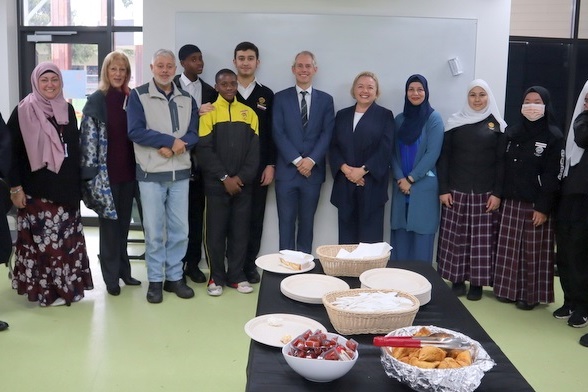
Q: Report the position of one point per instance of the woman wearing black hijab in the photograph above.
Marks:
(572, 222)
(533, 168)
(415, 202)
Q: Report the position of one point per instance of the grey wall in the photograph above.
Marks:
(392, 47)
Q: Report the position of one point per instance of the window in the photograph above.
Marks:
(542, 18)
(583, 25)
(128, 13)
(76, 35)
(64, 12)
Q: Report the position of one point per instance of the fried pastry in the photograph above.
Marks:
(423, 364)
(449, 363)
(464, 358)
(424, 331)
(399, 352)
(431, 354)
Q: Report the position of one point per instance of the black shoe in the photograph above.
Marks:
(475, 293)
(195, 275)
(3, 325)
(154, 293)
(505, 300)
(564, 312)
(458, 288)
(524, 305)
(584, 340)
(578, 319)
(178, 287)
(130, 281)
(253, 276)
(113, 290)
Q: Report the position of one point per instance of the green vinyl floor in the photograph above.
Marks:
(106, 343)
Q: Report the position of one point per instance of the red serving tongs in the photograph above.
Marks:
(421, 341)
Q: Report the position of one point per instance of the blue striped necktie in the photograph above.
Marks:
(304, 109)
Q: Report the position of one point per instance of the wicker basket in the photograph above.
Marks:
(353, 323)
(347, 267)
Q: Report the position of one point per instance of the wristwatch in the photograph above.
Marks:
(365, 169)
(223, 178)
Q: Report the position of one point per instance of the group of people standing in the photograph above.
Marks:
(203, 158)
(497, 191)
(507, 195)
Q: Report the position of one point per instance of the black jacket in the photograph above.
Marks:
(576, 182)
(534, 165)
(5, 162)
(261, 101)
(63, 187)
(472, 159)
(209, 94)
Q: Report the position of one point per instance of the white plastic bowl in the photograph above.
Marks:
(319, 370)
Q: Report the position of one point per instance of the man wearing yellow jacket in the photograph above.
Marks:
(228, 154)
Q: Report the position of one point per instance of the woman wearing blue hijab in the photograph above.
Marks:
(415, 202)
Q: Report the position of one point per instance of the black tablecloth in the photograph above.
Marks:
(268, 371)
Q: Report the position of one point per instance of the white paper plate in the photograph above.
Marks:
(310, 288)
(272, 263)
(259, 329)
(398, 279)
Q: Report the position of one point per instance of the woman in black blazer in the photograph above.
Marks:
(360, 156)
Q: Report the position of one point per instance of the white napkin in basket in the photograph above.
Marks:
(365, 251)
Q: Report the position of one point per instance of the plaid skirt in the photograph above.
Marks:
(51, 259)
(525, 256)
(467, 240)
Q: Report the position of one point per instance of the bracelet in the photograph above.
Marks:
(15, 191)
(409, 180)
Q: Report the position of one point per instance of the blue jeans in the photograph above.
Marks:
(165, 221)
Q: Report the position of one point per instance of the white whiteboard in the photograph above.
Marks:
(392, 47)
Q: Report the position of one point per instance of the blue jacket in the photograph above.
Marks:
(370, 144)
(293, 141)
(424, 207)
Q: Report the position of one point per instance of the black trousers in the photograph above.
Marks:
(358, 225)
(5, 240)
(572, 262)
(114, 258)
(226, 232)
(259, 196)
(5, 205)
(196, 201)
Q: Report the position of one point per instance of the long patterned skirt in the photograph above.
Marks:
(525, 256)
(467, 240)
(51, 259)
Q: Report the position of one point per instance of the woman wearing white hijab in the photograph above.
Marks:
(52, 266)
(572, 221)
(471, 170)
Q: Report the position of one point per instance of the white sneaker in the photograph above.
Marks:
(214, 290)
(58, 302)
(244, 287)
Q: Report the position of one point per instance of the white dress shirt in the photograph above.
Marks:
(194, 88)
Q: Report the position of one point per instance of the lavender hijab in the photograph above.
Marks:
(41, 139)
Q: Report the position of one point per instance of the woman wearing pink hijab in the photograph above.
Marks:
(52, 266)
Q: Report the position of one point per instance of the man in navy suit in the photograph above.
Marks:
(303, 121)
